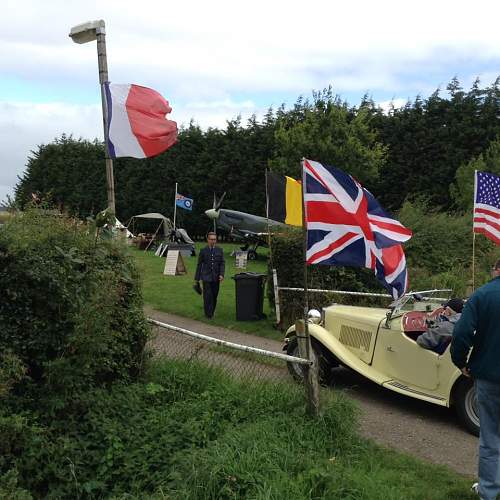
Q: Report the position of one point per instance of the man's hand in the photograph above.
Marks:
(197, 287)
(221, 278)
(466, 371)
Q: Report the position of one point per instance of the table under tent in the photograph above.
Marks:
(164, 233)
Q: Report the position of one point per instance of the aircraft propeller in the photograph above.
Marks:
(213, 213)
(219, 203)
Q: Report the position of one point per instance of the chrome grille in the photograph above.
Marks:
(355, 337)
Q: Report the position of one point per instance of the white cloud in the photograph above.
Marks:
(268, 46)
(24, 126)
(396, 102)
(226, 104)
(215, 60)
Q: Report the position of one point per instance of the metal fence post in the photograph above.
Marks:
(311, 381)
(276, 297)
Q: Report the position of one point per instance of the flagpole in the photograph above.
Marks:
(473, 260)
(268, 226)
(474, 235)
(311, 380)
(103, 78)
(175, 204)
(306, 291)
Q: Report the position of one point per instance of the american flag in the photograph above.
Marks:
(487, 205)
(346, 226)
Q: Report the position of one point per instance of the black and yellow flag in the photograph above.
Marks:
(284, 196)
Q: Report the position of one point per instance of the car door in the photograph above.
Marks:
(402, 359)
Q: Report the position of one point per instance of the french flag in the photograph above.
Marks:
(137, 123)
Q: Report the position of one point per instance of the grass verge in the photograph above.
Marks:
(191, 432)
(174, 294)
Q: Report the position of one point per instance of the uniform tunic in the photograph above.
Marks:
(210, 266)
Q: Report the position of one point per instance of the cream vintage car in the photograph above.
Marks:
(380, 344)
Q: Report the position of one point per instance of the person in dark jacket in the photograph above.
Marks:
(479, 330)
(438, 334)
(210, 270)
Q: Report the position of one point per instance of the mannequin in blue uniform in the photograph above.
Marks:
(210, 270)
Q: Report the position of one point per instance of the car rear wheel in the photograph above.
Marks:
(466, 405)
(325, 364)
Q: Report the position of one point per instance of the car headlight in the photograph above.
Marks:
(314, 316)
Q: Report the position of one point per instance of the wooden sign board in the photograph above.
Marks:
(174, 264)
(241, 259)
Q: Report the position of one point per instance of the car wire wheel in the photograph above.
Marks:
(466, 405)
(296, 370)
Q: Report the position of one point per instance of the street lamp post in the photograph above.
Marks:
(88, 32)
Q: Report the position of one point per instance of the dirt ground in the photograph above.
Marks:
(421, 429)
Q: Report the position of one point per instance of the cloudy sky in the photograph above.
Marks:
(215, 60)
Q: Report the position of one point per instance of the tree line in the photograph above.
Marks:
(427, 149)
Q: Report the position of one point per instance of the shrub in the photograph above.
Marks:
(439, 254)
(10, 489)
(72, 308)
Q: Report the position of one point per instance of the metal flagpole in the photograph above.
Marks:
(268, 225)
(175, 203)
(304, 234)
(103, 78)
(474, 235)
(84, 33)
(310, 372)
(473, 259)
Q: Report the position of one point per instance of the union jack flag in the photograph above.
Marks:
(346, 226)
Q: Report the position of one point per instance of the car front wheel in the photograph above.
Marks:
(466, 405)
(297, 371)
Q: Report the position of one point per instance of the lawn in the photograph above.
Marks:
(174, 294)
(191, 432)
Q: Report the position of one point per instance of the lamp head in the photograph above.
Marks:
(87, 32)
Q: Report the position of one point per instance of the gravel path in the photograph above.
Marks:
(415, 427)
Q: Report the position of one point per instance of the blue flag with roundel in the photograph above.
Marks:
(183, 202)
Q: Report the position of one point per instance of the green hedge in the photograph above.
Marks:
(71, 321)
(439, 254)
(71, 309)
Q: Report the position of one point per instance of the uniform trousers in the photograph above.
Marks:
(210, 292)
(488, 400)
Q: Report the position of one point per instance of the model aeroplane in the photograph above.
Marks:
(252, 229)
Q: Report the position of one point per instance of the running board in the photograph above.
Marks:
(404, 389)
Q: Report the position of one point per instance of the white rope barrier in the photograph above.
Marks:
(339, 292)
(239, 347)
(367, 294)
